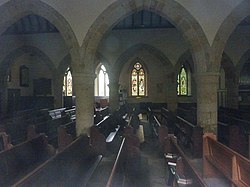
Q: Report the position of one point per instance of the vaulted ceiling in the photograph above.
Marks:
(31, 24)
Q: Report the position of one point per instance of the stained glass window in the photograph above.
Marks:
(68, 83)
(102, 81)
(138, 80)
(182, 82)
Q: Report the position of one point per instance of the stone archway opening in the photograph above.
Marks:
(188, 27)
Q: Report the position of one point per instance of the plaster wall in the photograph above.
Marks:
(157, 79)
(51, 44)
(168, 41)
(37, 69)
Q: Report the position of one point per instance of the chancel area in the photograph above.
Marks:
(125, 93)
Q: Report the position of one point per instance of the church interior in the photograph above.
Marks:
(125, 93)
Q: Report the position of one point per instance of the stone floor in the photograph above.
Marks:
(153, 171)
(157, 173)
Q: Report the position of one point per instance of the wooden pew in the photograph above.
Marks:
(188, 112)
(159, 130)
(190, 136)
(221, 161)
(103, 134)
(22, 158)
(112, 181)
(237, 113)
(66, 135)
(168, 119)
(100, 114)
(71, 167)
(16, 127)
(128, 167)
(5, 142)
(71, 112)
(57, 113)
(182, 169)
(50, 127)
(180, 166)
(234, 132)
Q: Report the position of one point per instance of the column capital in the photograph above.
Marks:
(204, 74)
(207, 77)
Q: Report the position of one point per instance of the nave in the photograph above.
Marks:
(115, 155)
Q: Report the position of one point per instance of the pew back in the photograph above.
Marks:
(17, 161)
(71, 167)
(184, 170)
(232, 165)
(190, 135)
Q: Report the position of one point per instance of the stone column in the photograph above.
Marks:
(83, 80)
(207, 85)
(57, 85)
(84, 91)
(113, 96)
(172, 93)
(232, 93)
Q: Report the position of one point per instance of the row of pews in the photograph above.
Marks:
(42, 121)
(210, 163)
(234, 130)
(233, 127)
(189, 135)
(23, 158)
(40, 141)
(71, 167)
(77, 161)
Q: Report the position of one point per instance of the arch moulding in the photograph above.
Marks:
(14, 10)
(169, 9)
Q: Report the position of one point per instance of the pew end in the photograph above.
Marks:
(64, 139)
(182, 168)
(220, 161)
(98, 141)
(5, 142)
(22, 158)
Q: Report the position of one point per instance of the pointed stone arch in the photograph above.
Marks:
(100, 58)
(10, 58)
(186, 57)
(64, 64)
(124, 57)
(238, 14)
(244, 58)
(228, 66)
(187, 60)
(231, 82)
(14, 10)
(169, 9)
